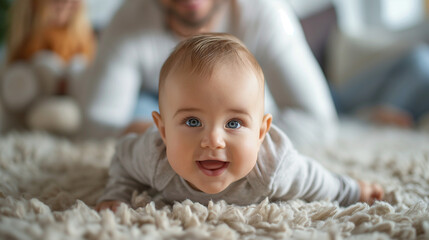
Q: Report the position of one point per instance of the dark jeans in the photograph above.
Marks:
(402, 83)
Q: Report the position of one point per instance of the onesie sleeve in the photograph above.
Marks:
(306, 179)
(295, 176)
(132, 168)
(121, 184)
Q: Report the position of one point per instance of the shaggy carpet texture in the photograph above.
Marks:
(49, 186)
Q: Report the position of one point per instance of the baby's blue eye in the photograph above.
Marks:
(193, 122)
(233, 124)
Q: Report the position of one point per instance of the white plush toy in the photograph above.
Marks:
(35, 91)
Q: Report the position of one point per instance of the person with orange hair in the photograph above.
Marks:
(49, 42)
(60, 26)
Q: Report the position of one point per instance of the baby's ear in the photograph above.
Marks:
(265, 126)
(159, 124)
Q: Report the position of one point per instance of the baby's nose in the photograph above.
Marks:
(213, 139)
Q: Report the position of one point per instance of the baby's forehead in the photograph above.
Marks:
(187, 72)
(224, 80)
(226, 85)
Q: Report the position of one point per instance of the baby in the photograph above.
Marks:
(213, 140)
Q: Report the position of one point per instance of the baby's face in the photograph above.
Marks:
(213, 127)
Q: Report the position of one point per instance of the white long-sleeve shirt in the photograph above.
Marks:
(280, 173)
(138, 41)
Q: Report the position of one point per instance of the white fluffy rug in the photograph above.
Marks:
(49, 186)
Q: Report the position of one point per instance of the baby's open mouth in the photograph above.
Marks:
(212, 167)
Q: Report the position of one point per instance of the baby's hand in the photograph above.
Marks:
(112, 205)
(369, 192)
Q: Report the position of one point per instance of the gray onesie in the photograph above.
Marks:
(280, 173)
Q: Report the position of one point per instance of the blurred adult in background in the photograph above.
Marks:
(48, 43)
(119, 91)
(394, 91)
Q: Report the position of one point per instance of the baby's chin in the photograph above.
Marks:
(212, 188)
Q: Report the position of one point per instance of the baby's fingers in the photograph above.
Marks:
(377, 192)
(112, 205)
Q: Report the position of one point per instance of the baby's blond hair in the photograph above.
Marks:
(200, 54)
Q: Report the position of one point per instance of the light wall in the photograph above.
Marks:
(372, 31)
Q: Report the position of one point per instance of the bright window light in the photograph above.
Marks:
(399, 14)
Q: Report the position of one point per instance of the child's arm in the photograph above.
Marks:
(301, 177)
(128, 172)
(121, 183)
(291, 175)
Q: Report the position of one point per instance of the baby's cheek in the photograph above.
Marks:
(246, 154)
(180, 144)
(179, 156)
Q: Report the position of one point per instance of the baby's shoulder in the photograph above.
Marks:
(275, 145)
(134, 145)
(276, 153)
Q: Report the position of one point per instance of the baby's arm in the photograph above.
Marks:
(119, 188)
(369, 192)
(304, 178)
(291, 175)
(314, 182)
(126, 174)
